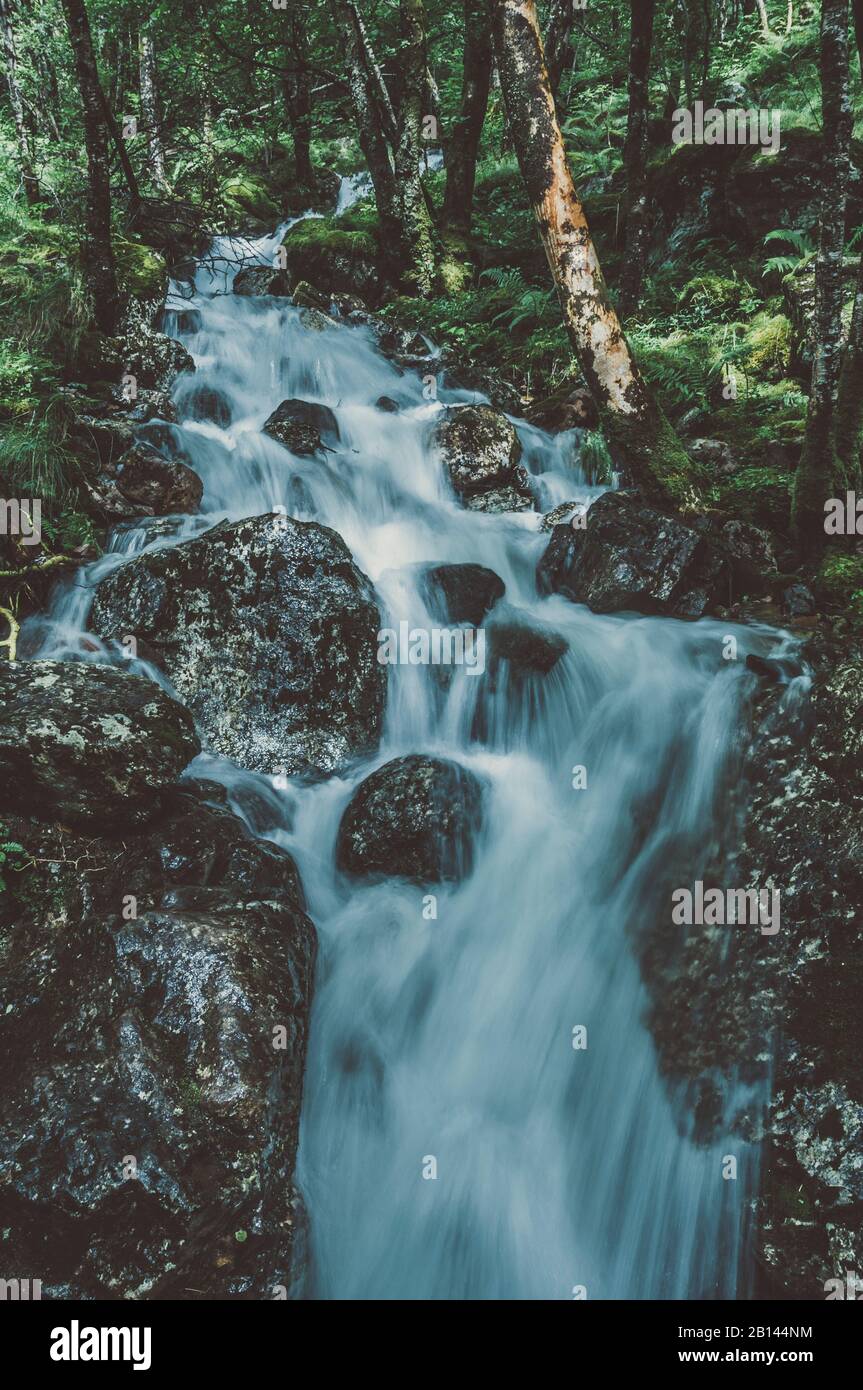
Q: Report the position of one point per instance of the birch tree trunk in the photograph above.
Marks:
(150, 109)
(464, 144)
(640, 439)
(635, 156)
(98, 248)
(762, 15)
(818, 468)
(10, 60)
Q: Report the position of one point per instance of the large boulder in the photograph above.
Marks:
(526, 648)
(153, 1031)
(88, 745)
(334, 260)
(479, 448)
(153, 359)
(416, 818)
(268, 631)
(302, 426)
(631, 557)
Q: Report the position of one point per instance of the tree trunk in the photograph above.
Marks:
(416, 230)
(297, 94)
(559, 45)
(640, 438)
(98, 249)
(762, 15)
(150, 109)
(818, 468)
(10, 60)
(370, 131)
(464, 145)
(635, 156)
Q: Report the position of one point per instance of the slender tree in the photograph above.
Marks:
(635, 155)
(818, 467)
(10, 61)
(558, 45)
(98, 249)
(150, 108)
(464, 143)
(367, 116)
(416, 229)
(297, 92)
(640, 438)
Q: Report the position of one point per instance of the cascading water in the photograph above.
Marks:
(451, 1038)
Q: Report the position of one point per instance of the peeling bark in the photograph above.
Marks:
(98, 248)
(640, 438)
(464, 144)
(635, 156)
(818, 469)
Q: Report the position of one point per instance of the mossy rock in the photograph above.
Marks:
(140, 270)
(334, 259)
(768, 347)
(247, 195)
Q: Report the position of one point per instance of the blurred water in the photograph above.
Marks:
(452, 1039)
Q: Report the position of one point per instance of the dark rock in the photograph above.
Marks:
(571, 409)
(201, 402)
(416, 817)
(714, 454)
(148, 1127)
(269, 631)
(305, 296)
(748, 553)
(255, 280)
(798, 601)
(461, 373)
(334, 261)
(771, 670)
(561, 515)
(153, 359)
(630, 557)
(164, 486)
(479, 448)
(527, 648)
(88, 745)
(302, 426)
(516, 497)
(388, 405)
(462, 593)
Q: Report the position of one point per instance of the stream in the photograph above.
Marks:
(456, 1142)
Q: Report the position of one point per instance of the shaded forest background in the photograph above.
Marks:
(232, 116)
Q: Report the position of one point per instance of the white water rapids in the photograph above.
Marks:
(556, 1169)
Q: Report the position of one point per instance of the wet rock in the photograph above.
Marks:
(798, 601)
(301, 426)
(388, 405)
(560, 515)
(517, 497)
(736, 1003)
(527, 648)
(565, 410)
(459, 372)
(152, 358)
(156, 1000)
(163, 486)
(416, 817)
(462, 593)
(256, 280)
(201, 402)
(88, 745)
(479, 448)
(268, 631)
(631, 558)
(334, 261)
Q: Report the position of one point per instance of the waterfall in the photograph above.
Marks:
(456, 1144)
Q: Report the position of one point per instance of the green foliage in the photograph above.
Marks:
(13, 858)
(840, 583)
